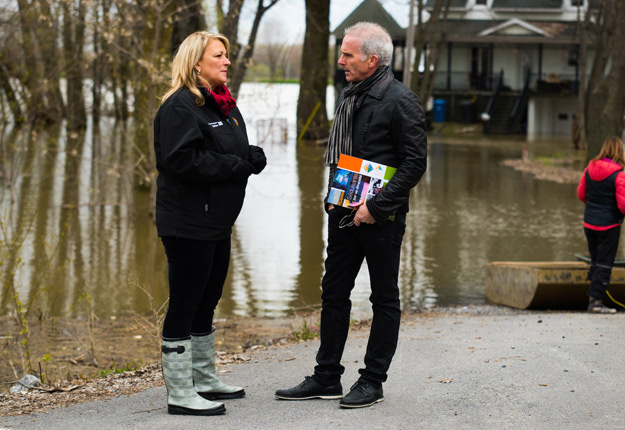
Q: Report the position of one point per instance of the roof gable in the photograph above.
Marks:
(371, 11)
(514, 27)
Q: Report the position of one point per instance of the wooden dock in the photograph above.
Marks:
(545, 285)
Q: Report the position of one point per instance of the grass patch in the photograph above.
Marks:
(114, 370)
(305, 332)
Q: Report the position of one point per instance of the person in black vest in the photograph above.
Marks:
(381, 120)
(602, 189)
(203, 160)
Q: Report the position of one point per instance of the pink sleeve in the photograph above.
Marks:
(620, 191)
(581, 188)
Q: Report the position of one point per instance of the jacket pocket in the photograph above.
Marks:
(225, 203)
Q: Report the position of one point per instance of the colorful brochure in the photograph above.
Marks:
(357, 180)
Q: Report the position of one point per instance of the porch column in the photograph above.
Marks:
(449, 66)
(540, 61)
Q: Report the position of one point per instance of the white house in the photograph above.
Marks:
(534, 43)
(516, 60)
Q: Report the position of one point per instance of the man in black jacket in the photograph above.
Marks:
(381, 120)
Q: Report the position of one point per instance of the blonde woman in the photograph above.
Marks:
(602, 189)
(203, 160)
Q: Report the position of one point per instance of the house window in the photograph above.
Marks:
(577, 2)
(483, 2)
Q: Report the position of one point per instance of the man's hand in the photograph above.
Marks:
(363, 216)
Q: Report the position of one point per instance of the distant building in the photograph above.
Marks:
(516, 60)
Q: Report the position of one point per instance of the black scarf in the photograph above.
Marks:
(340, 140)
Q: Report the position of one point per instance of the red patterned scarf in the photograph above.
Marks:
(223, 98)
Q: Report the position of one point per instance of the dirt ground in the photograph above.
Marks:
(245, 336)
(67, 349)
(124, 359)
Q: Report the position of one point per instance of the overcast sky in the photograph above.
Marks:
(287, 19)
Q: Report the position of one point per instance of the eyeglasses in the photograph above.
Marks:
(347, 220)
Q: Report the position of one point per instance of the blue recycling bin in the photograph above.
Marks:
(439, 110)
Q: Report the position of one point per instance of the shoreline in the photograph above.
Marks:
(552, 173)
(277, 333)
(455, 367)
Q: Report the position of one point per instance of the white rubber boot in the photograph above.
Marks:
(205, 379)
(182, 399)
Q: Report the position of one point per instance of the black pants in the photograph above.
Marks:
(197, 272)
(380, 245)
(602, 246)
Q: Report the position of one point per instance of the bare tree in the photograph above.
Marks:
(311, 105)
(152, 48)
(275, 49)
(10, 66)
(40, 78)
(604, 103)
(73, 44)
(228, 25)
(430, 39)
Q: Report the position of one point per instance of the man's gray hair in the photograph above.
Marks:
(375, 40)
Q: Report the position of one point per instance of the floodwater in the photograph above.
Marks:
(77, 238)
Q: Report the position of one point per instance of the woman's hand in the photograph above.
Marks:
(257, 159)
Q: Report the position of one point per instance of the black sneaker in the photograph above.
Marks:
(596, 306)
(362, 394)
(311, 389)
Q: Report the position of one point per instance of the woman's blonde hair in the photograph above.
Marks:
(613, 149)
(188, 54)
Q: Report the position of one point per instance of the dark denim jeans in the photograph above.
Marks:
(380, 245)
(602, 246)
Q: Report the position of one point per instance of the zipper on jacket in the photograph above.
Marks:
(366, 128)
(208, 199)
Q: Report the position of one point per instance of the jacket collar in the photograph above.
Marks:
(377, 90)
(381, 86)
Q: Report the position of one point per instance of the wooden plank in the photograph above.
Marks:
(619, 262)
(545, 285)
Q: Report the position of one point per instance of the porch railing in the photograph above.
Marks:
(545, 82)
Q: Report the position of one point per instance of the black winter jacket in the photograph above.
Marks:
(202, 162)
(389, 128)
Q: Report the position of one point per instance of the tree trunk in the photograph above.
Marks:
(228, 25)
(605, 101)
(153, 60)
(189, 19)
(433, 36)
(36, 103)
(579, 132)
(73, 41)
(99, 14)
(314, 75)
(47, 37)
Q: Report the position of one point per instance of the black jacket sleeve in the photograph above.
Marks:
(184, 152)
(410, 140)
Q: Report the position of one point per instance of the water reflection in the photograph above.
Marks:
(76, 236)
